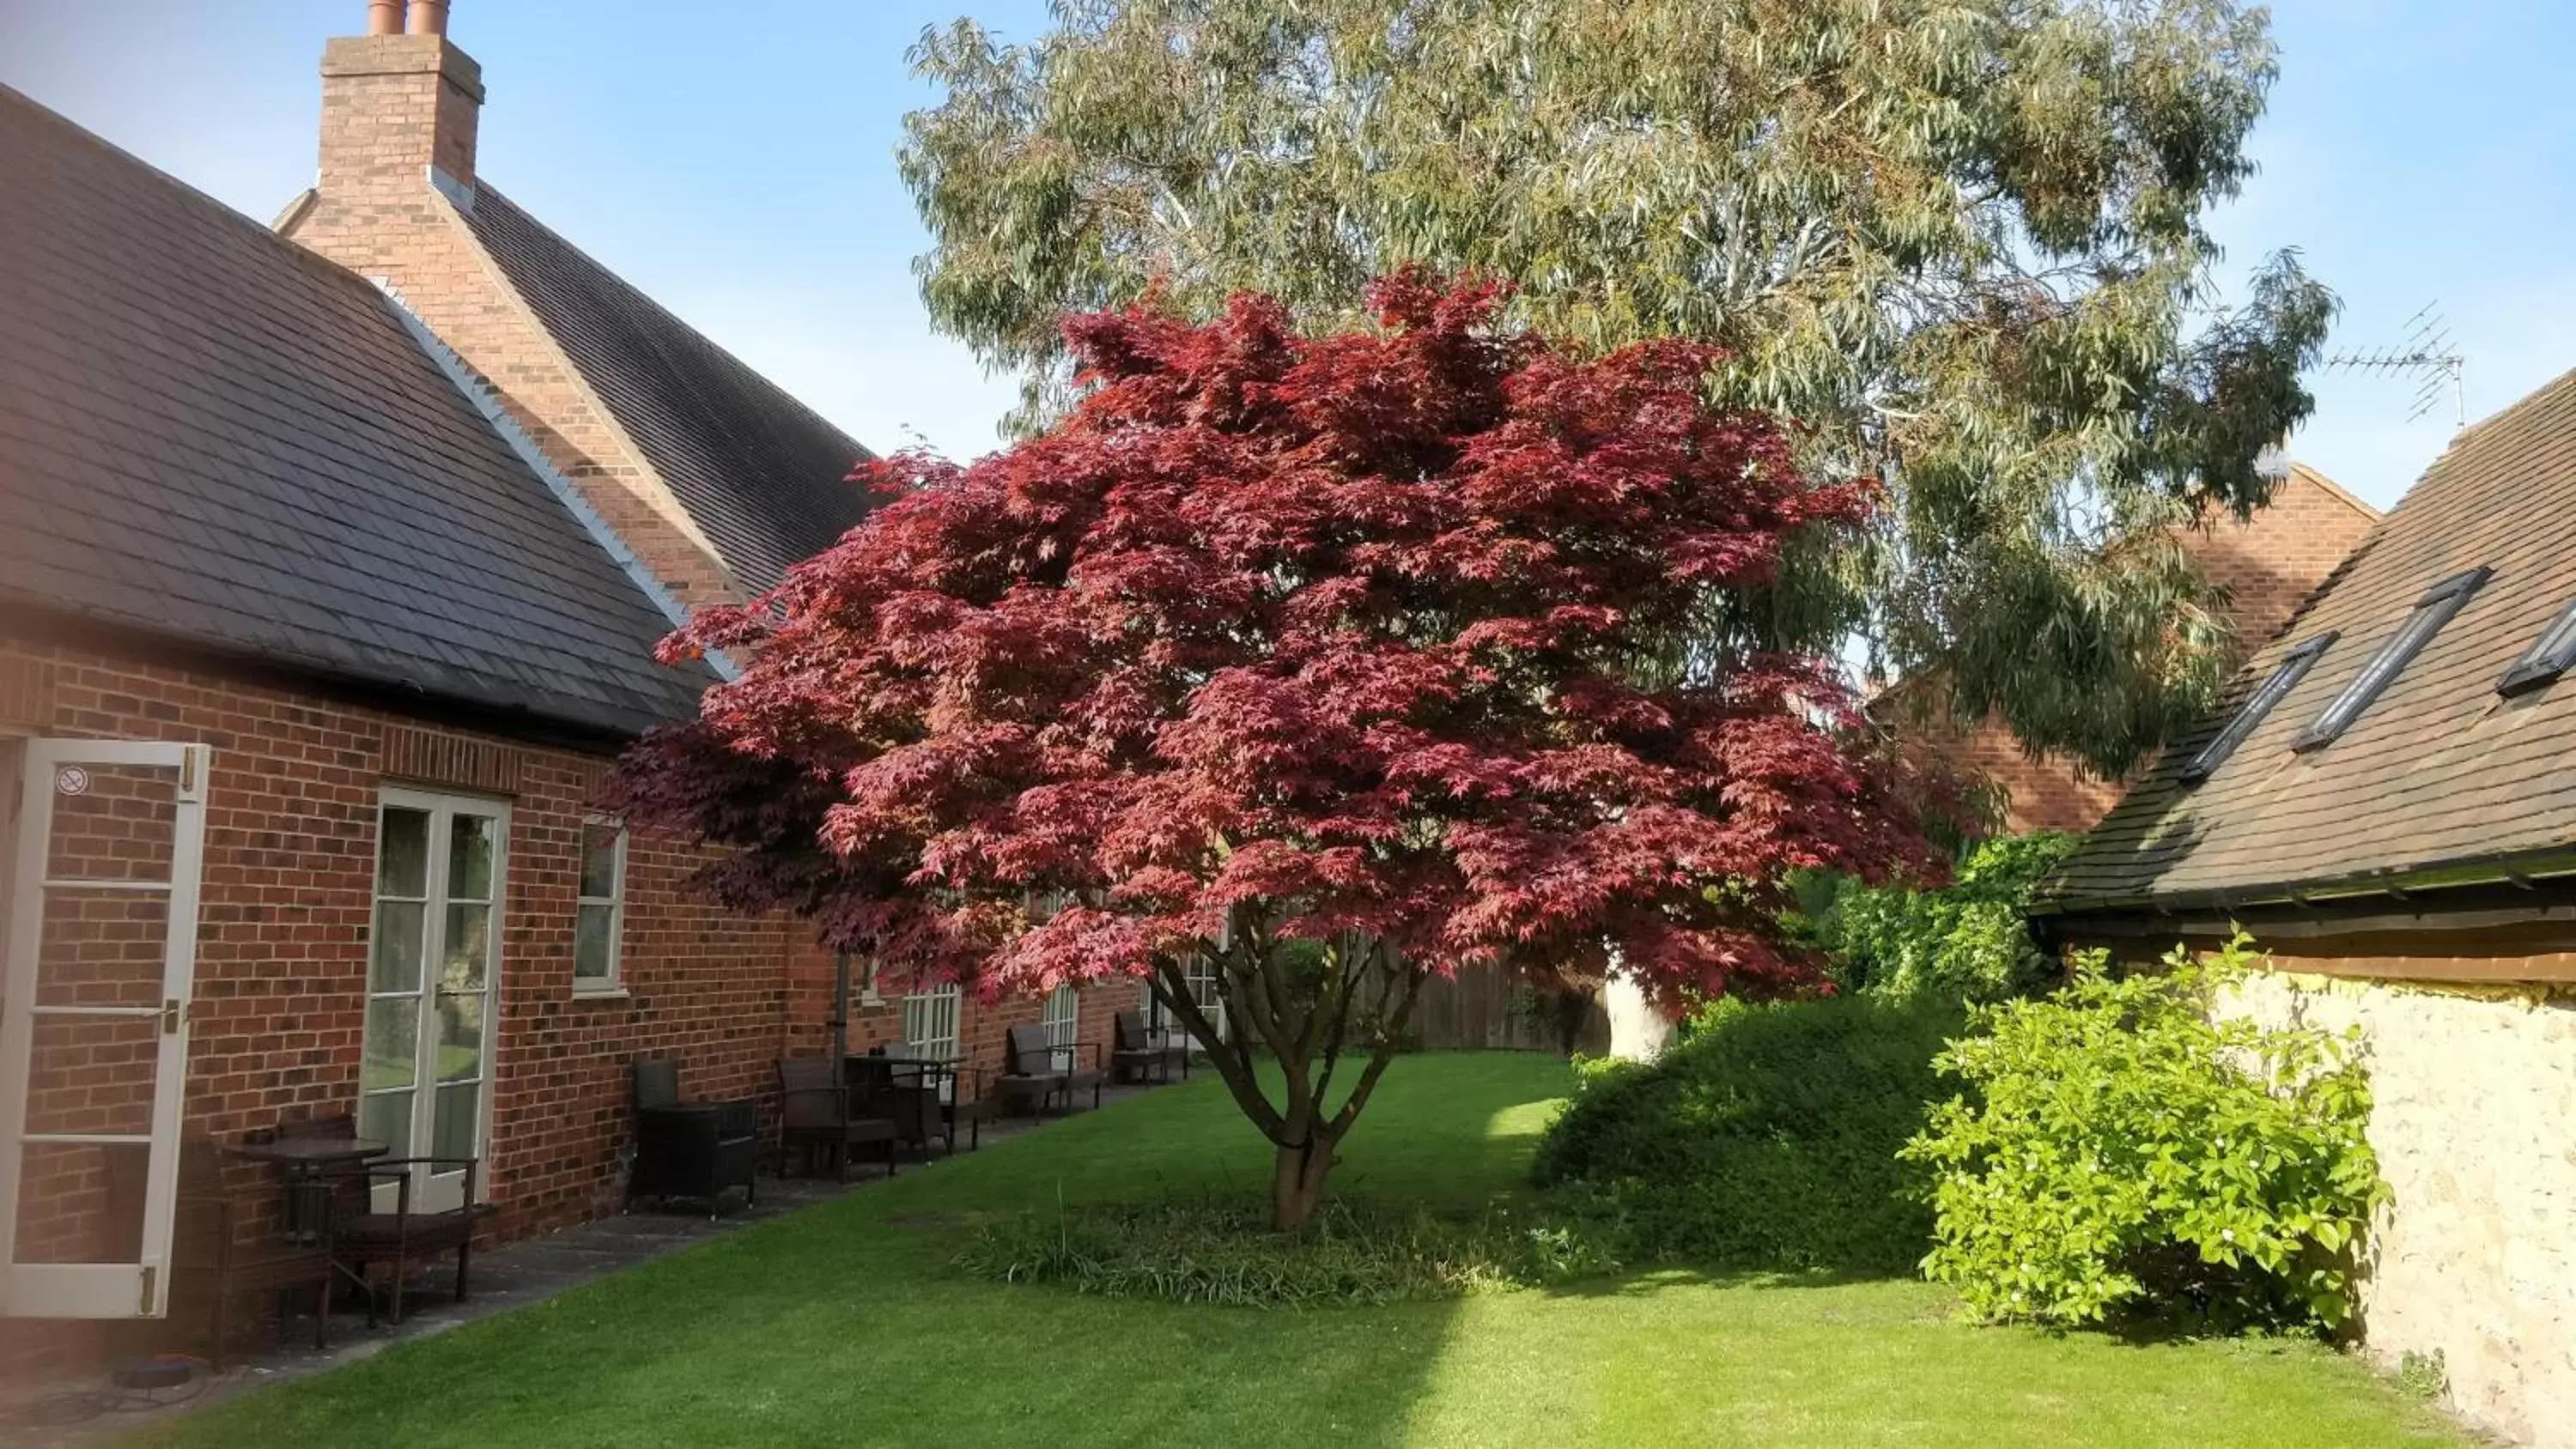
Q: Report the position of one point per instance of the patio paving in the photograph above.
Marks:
(76, 1413)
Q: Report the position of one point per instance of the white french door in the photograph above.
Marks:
(930, 1028)
(1165, 1025)
(101, 947)
(1063, 1018)
(433, 967)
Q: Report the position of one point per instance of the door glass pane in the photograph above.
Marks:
(393, 1041)
(93, 1074)
(469, 858)
(460, 1035)
(590, 937)
(402, 853)
(101, 947)
(469, 946)
(113, 822)
(452, 1133)
(80, 1202)
(386, 1117)
(394, 963)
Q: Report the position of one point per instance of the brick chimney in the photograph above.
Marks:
(399, 106)
(396, 202)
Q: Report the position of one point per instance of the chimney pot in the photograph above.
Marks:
(384, 17)
(425, 17)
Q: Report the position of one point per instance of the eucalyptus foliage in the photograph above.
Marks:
(1967, 941)
(1961, 240)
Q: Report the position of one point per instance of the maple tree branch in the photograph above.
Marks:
(1383, 1054)
(1342, 1014)
(1233, 1065)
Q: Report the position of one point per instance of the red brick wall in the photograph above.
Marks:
(278, 1016)
(2268, 564)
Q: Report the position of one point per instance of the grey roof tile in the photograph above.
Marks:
(210, 434)
(763, 475)
(2440, 770)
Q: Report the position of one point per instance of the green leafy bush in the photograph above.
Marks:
(1226, 1253)
(1967, 942)
(1766, 1137)
(2122, 1152)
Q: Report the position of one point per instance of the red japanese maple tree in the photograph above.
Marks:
(1333, 662)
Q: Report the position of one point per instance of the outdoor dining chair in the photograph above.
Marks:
(817, 1115)
(1135, 1056)
(1037, 1070)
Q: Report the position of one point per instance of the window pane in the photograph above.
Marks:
(402, 853)
(591, 940)
(394, 963)
(469, 948)
(469, 858)
(386, 1117)
(393, 1041)
(460, 1035)
(1063, 1016)
(599, 862)
(452, 1128)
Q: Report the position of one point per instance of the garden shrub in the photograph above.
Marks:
(1354, 1252)
(2120, 1152)
(1766, 1137)
(1969, 941)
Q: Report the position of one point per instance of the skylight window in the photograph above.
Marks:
(2285, 677)
(2432, 611)
(2549, 656)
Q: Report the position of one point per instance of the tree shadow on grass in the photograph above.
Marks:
(1644, 1281)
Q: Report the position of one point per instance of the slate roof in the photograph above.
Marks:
(763, 475)
(2440, 772)
(210, 434)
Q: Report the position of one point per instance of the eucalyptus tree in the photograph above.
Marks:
(1963, 242)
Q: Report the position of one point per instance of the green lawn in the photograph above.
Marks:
(844, 1325)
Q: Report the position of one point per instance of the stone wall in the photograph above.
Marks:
(2474, 1120)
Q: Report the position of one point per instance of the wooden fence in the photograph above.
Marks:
(1473, 1012)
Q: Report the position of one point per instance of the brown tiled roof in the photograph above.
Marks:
(763, 475)
(2440, 772)
(214, 436)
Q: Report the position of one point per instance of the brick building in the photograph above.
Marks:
(331, 565)
(2268, 564)
(2388, 804)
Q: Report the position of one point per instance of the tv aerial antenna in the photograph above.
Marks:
(2428, 357)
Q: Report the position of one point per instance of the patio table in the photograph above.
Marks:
(305, 1164)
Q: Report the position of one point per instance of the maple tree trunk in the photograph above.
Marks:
(1297, 1182)
(1298, 1037)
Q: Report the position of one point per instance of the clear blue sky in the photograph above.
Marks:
(736, 161)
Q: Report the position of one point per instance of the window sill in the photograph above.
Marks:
(600, 993)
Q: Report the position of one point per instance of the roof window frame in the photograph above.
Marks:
(2551, 654)
(2439, 605)
(2258, 706)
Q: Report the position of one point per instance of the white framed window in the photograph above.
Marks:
(930, 1021)
(433, 973)
(1063, 1019)
(599, 925)
(1200, 972)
